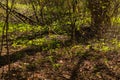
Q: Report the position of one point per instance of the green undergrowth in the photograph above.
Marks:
(20, 27)
(20, 33)
(106, 45)
(47, 42)
(101, 45)
(115, 20)
(52, 40)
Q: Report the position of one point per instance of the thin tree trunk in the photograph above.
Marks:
(73, 21)
(7, 46)
(100, 18)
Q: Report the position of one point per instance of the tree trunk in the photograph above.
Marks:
(100, 18)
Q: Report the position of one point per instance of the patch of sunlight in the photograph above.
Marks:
(115, 20)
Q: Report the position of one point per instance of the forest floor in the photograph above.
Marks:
(73, 62)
